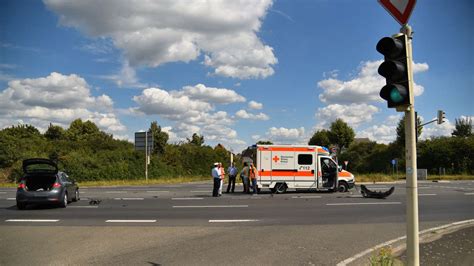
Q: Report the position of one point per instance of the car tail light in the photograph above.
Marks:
(22, 186)
(56, 185)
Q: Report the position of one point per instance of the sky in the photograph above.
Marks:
(236, 72)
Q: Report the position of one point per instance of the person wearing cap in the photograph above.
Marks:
(216, 176)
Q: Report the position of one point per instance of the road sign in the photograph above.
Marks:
(346, 162)
(140, 142)
(399, 9)
(394, 162)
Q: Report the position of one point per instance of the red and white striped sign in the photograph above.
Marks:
(399, 9)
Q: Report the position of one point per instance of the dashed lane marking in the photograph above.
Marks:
(85, 207)
(130, 221)
(233, 221)
(11, 198)
(471, 193)
(157, 191)
(306, 197)
(33, 220)
(187, 198)
(363, 203)
(113, 192)
(129, 198)
(212, 206)
(1, 192)
(427, 195)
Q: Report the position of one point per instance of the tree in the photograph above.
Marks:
(463, 127)
(400, 141)
(264, 142)
(320, 137)
(341, 134)
(54, 132)
(196, 139)
(79, 130)
(160, 138)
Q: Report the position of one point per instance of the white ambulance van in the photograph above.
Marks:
(282, 167)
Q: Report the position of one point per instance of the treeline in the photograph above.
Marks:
(86, 153)
(450, 155)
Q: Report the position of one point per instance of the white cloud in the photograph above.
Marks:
(379, 133)
(354, 114)
(210, 95)
(152, 33)
(287, 135)
(255, 105)
(57, 99)
(245, 115)
(437, 130)
(364, 88)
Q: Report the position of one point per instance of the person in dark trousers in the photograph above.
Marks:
(244, 174)
(232, 174)
(253, 178)
(216, 176)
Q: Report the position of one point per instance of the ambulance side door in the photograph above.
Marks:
(305, 162)
(283, 166)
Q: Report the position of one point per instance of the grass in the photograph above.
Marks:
(185, 179)
(384, 257)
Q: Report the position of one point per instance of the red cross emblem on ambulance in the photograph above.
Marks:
(276, 159)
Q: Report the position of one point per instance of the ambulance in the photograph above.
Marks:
(282, 167)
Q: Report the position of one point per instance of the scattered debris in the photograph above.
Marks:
(375, 194)
(94, 202)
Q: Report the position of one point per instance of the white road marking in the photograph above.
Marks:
(157, 191)
(33, 220)
(11, 198)
(427, 194)
(3, 192)
(388, 243)
(173, 186)
(113, 192)
(130, 221)
(233, 221)
(187, 198)
(129, 198)
(471, 193)
(201, 191)
(85, 207)
(212, 206)
(363, 203)
(306, 197)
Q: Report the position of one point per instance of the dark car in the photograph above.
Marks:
(42, 183)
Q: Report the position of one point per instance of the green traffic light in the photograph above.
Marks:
(395, 95)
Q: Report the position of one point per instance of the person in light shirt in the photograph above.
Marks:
(222, 175)
(216, 176)
(232, 175)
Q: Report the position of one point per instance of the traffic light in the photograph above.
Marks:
(394, 69)
(441, 116)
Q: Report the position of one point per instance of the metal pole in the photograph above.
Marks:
(413, 254)
(146, 156)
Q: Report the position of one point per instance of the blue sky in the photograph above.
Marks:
(236, 72)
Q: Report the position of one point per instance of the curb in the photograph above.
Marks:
(425, 236)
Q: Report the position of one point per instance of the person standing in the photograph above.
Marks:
(222, 175)
(232, 174)
(216, 176)
(253, 177)
(244, 174)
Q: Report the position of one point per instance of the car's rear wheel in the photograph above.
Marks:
(280, 188)
(64, 202)
(20, 205)
(76, 195)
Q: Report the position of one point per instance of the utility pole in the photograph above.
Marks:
(413, 253)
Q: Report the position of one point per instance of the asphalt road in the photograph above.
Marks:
(182, 224)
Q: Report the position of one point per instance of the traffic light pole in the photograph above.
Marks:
(413, 254)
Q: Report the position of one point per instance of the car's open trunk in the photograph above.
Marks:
(40, 182)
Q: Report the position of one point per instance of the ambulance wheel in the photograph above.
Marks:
(280, 188)
(343, 186)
